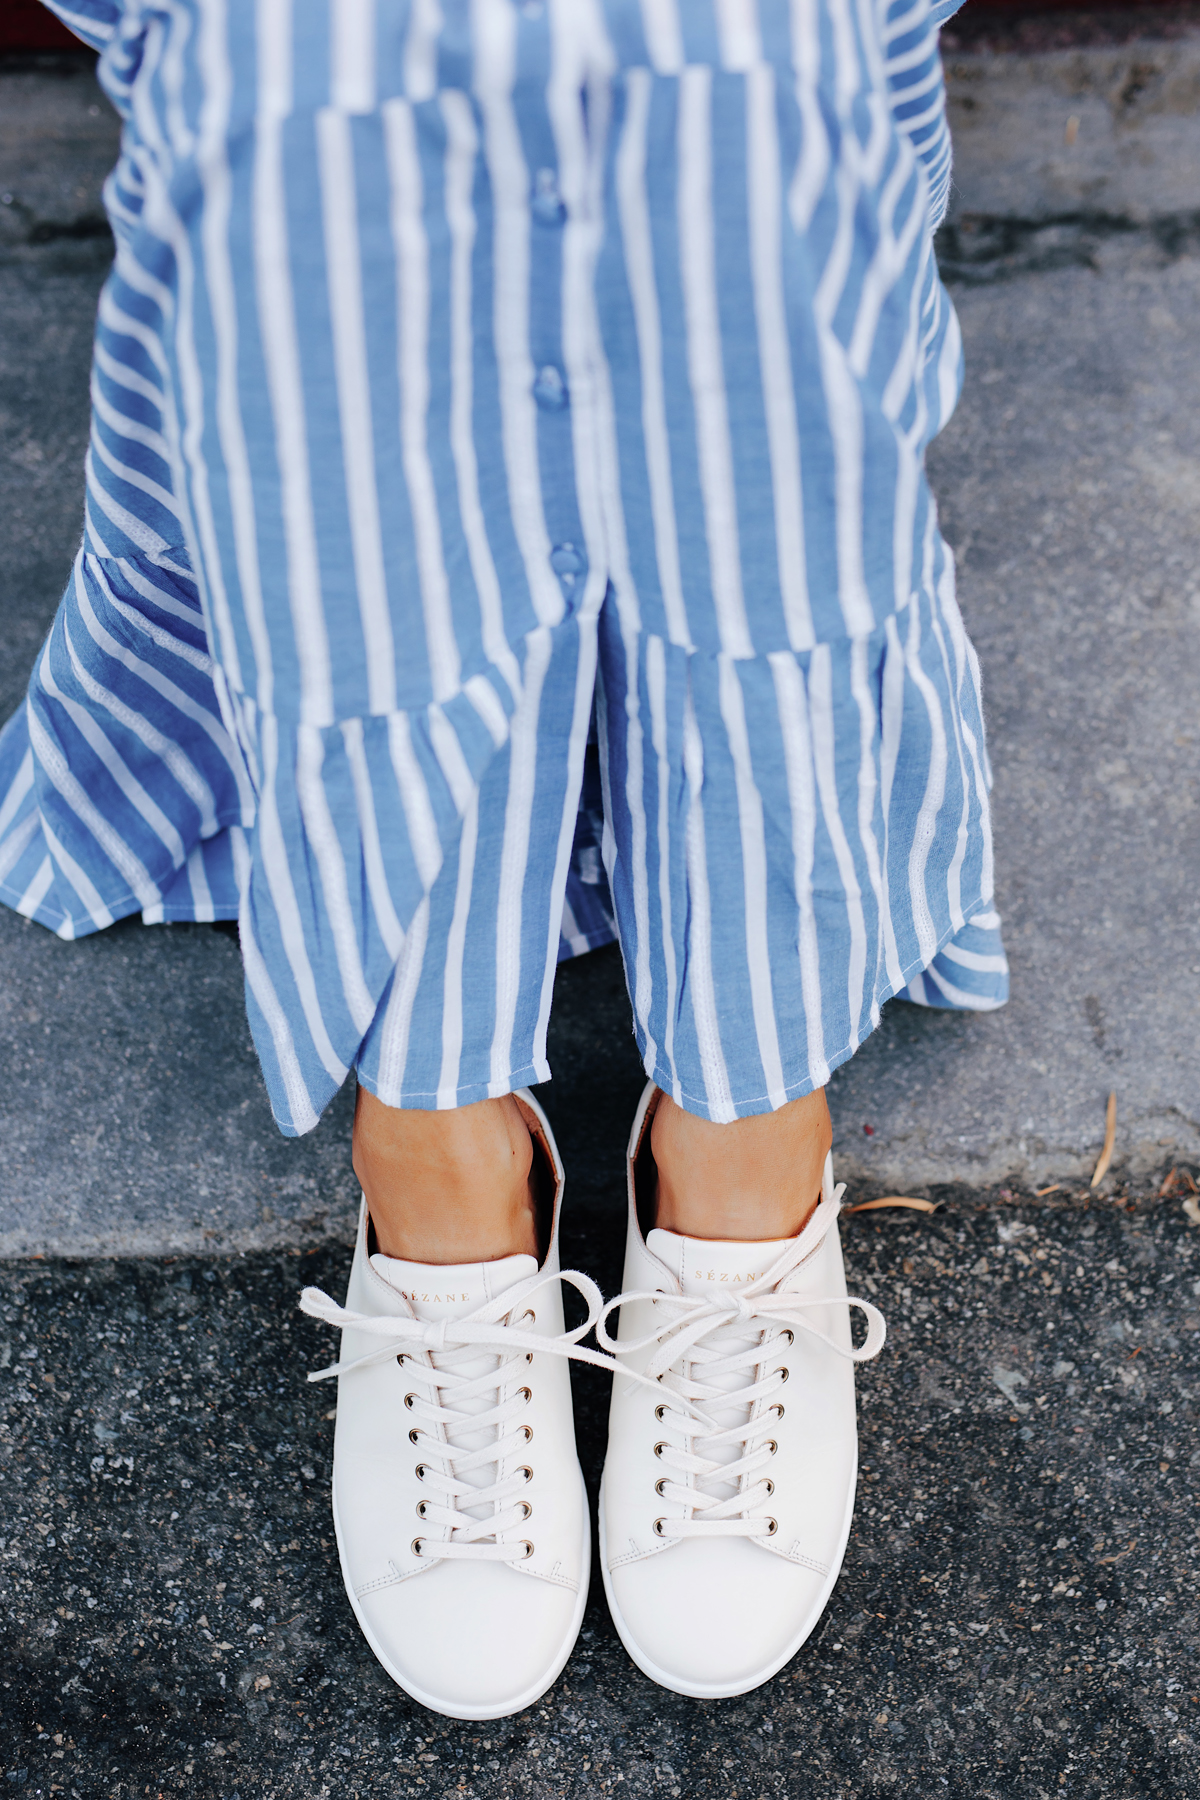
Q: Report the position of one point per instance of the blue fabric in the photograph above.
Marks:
(92, 20)
(446, 357)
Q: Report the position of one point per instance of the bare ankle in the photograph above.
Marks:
(447, 1187)
(756, 1180)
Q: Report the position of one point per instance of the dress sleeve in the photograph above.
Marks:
(945, 9)
(92, 20)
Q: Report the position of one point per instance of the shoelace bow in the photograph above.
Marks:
(703, 1348)
(441, 1357)
(700, 1342)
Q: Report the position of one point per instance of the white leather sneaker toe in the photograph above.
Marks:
(458, 1501)
(729, 1483)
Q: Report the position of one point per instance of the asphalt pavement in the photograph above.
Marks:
(1016, 1618)
(1017, 1613)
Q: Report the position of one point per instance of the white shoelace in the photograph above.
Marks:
(462, 1424)
(713, 1358)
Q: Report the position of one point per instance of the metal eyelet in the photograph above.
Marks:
(414, 1436)
(770, 1487)
(660, 1413)
(659, 1485)
(528, 1430)
(526, 1471)
(783, 1373)
(417, 1546)
(658, 1527)
(420, 1471)
(420, 1509)
(410, 1401)
(777, 1409)
(529, 1356)
(772, 1527)
(528, 1549)
(528, 1509)
(659, 1448)
(772, 1446)
(400, 1356)
(526, 1393)
(789, 1335)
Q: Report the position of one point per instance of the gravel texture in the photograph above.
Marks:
(1016, 1616)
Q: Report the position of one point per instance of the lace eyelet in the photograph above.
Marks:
(659, 1485)
(529, 1356)
(658, 1527)
(526, 1471)
(420, 1470)
(789, 1335)
(660, 1413)
(410, 1401)
(782, 1373)
(772, 1527)
(414, 1436)
(526, 1394)
(659, 1448)
(417, 1546)
(528, 1430)
(528, 1509)
(772, 1446)
(420, 1509)
(770, 1487)
(528, 1549)
(400, 1357)
(777, 1409)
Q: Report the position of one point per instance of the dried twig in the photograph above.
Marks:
(1110, 1138)
(1057, 1188)
(894, 1200)
(1178, 1178)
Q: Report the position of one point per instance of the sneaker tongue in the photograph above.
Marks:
(708, 1269)
(448, 1290)
(706, 1266)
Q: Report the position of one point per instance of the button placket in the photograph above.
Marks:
(569, 563)
(547, 205)
(550, 389)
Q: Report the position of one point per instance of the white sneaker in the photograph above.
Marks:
(458, 1501)
(729, 1483)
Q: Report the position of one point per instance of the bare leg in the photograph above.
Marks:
(759, 1178)
(447, 1187)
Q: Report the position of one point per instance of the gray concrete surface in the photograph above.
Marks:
(1016, 1618)
(1070, 482)
(132, 1117)
(58, 140)
(1105, 132)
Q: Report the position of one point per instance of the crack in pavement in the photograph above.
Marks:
(34, 231)
(977, 248)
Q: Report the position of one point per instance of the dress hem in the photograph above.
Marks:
(765, 1103)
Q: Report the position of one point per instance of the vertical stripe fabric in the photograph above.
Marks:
(451, 354)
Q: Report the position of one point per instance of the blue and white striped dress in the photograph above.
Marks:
(507, 523)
